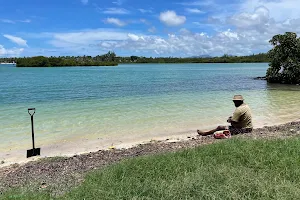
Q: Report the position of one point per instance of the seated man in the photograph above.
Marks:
(241, 121)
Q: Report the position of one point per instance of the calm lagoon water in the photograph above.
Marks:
(133, 101)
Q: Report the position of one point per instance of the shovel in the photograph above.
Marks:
(34, 151)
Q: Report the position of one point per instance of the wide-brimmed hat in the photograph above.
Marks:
(238, 98)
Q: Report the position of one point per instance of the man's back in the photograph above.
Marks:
(242, 117)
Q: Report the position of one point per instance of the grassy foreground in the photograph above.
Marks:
(231, 169)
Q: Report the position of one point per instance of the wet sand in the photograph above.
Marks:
(59, 174)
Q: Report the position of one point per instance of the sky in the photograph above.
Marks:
(156, 28)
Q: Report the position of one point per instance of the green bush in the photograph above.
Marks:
(285, 59)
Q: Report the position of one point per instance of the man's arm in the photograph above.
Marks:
(233, 123)
(235, 120)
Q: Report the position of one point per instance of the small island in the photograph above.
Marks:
(108, 59)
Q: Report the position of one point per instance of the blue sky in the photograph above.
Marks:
(143, 28)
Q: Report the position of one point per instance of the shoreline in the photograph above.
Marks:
(54, 172)
(82, 145)
(79, 146)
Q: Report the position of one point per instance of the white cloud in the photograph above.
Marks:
(16, 40)
(259, 19)
(152, 29)
(170, 18)
(85, 38)
(120, 11)
(183, 43)
(84, 2)
(118, 2)
(184, 31)
(229, 35)
(198, 3)
(259, 23)
(145, 10)
(14, 21)
(133, 37)
(144, 21)
(14, 52)
(197, 23)
(214, 20)
(25, 21)
(7, 21)
(115, 21)
(187, 43)
(194, 10)
(280, 10)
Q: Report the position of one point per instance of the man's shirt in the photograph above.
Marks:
(242, 116)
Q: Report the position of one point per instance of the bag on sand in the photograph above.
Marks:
(222, 134)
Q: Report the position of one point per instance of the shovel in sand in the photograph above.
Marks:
(34, 151)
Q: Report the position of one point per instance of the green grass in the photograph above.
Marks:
(231, 169)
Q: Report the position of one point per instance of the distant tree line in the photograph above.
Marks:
(41, 61)
(262, 57)
(8, 60)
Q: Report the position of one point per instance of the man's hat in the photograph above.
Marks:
(238, 98)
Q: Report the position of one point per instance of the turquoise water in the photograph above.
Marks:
(133, 102)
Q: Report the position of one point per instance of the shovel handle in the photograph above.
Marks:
(30, 109)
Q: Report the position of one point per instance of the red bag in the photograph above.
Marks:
(222, 134)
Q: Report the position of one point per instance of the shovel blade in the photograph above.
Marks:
(33, 152)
